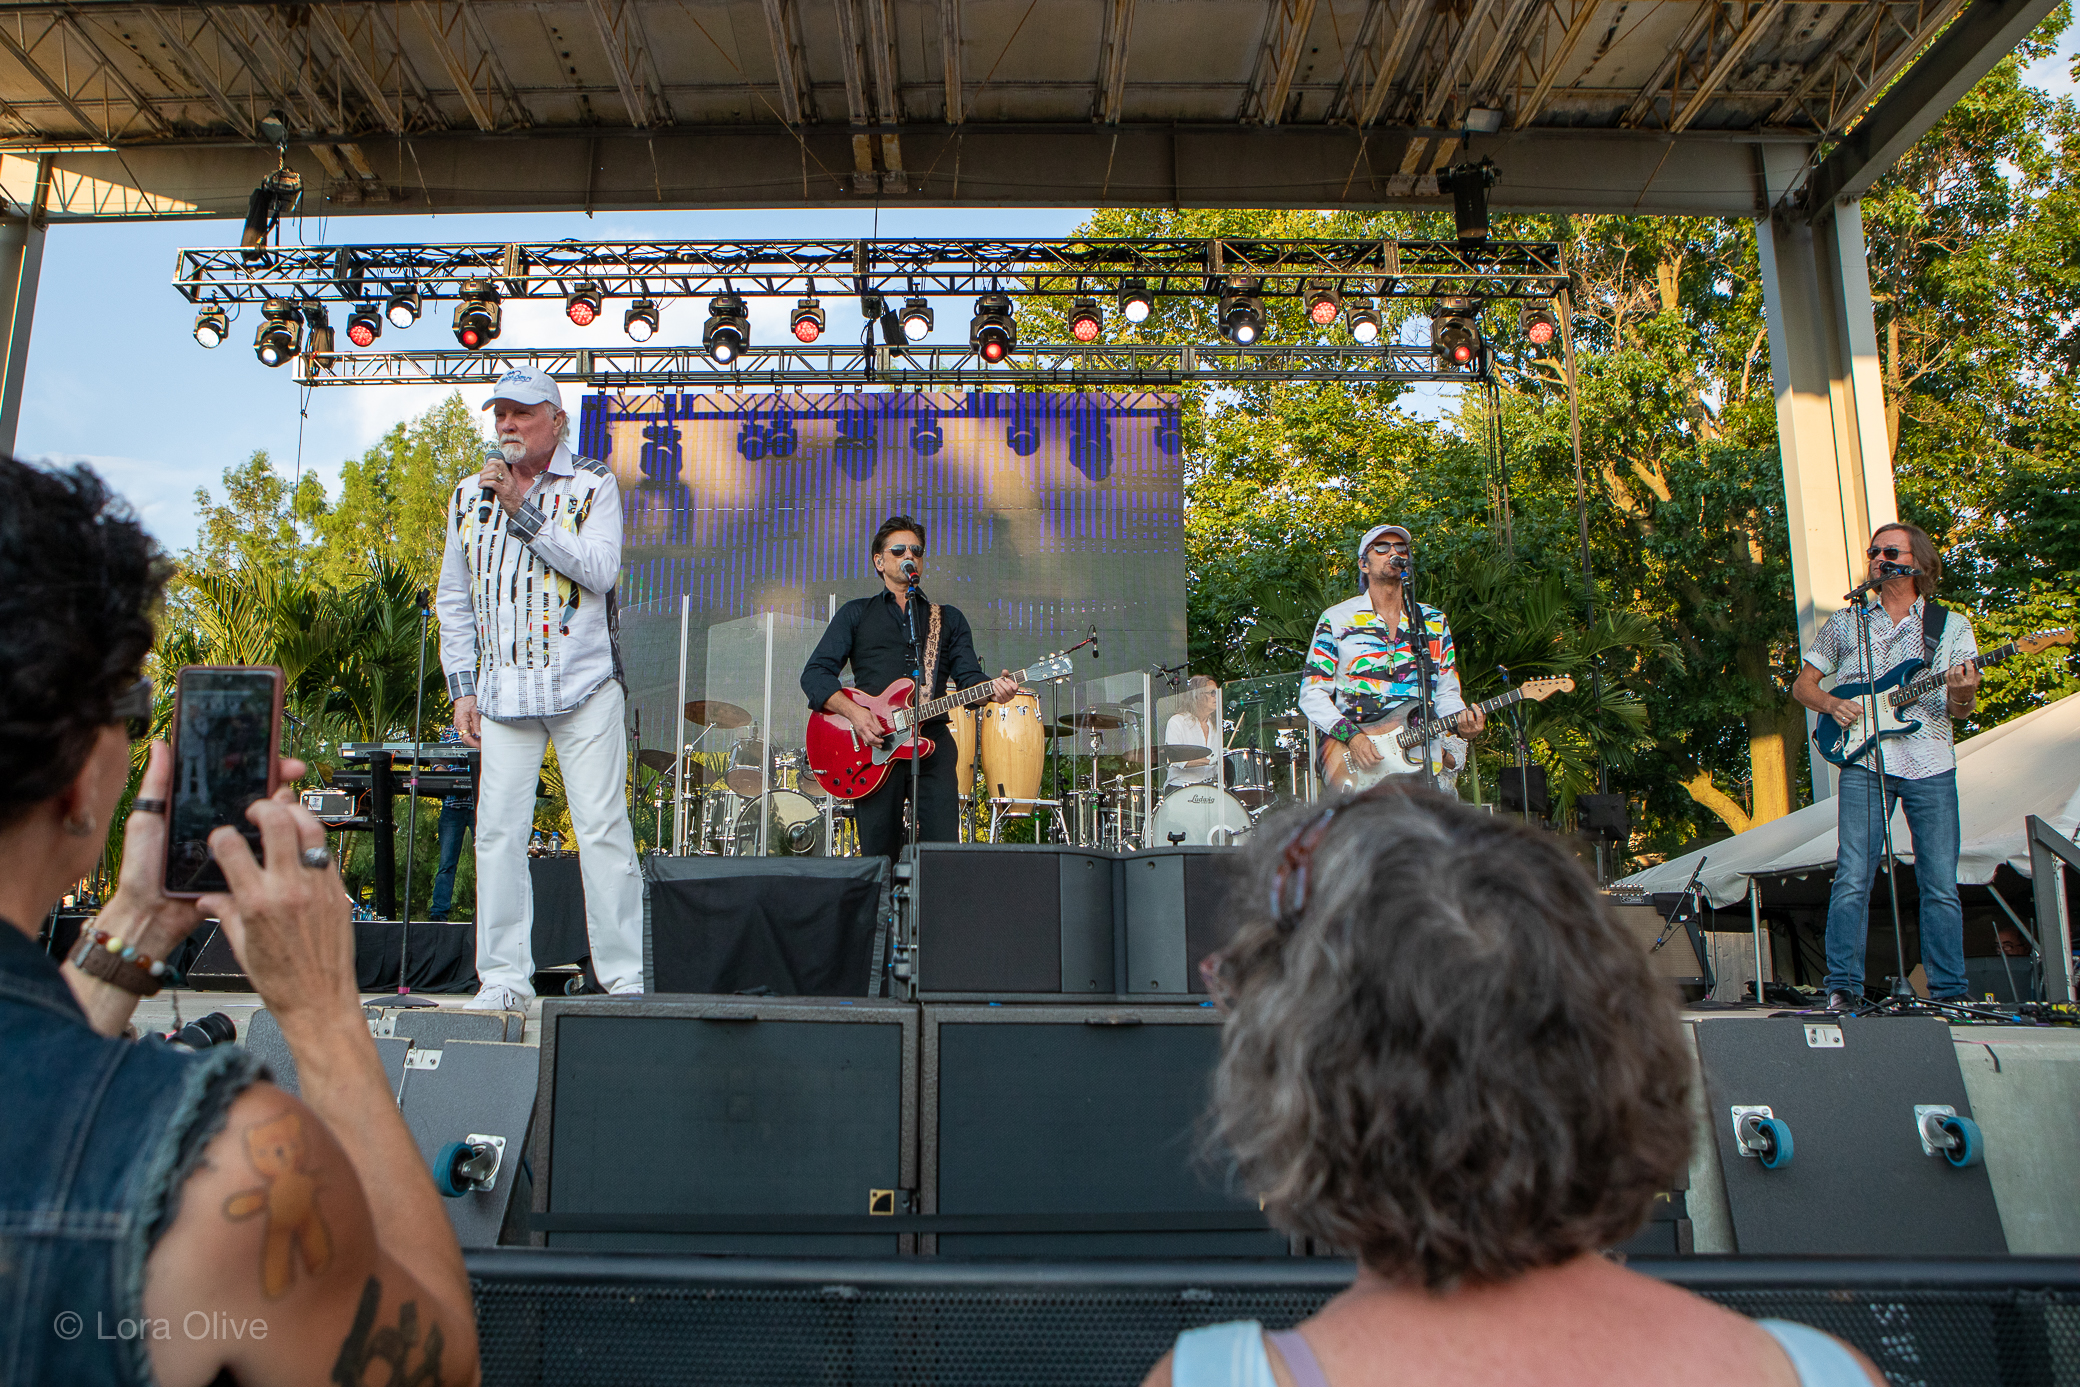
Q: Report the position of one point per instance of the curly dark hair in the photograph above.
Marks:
(79, 579)
(895, 524)
(1451, 1061)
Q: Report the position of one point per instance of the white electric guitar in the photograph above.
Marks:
(1400, 744)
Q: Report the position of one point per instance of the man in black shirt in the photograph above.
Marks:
(874, 634)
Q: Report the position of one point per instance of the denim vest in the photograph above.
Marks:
(96, 1138)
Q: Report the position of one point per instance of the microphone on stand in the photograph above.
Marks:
(1886, 572)
(908, 570)
(1094, 642)
(492, 453)
(1503, 670)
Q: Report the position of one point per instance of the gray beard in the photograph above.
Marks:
(514, 450)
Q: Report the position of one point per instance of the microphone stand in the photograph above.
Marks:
(1901, 994)
(1516, 722)
(1412, 614)
(411, 842)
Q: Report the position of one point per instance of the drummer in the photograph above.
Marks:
(1194, 725)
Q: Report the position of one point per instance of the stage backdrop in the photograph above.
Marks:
(1046, 513)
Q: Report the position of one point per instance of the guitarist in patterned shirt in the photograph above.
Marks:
(1920, 768)
(1362, 663)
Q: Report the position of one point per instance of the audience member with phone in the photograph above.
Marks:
(302, 1236)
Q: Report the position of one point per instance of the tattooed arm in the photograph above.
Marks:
(317, 1217)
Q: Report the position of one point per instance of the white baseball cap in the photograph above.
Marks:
(524, 385)
(1375, 532)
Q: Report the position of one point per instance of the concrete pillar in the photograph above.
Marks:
(21, 264)
(1823, 353)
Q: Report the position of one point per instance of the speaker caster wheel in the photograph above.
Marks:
(468, 1167)
(1957, 1138)
(1768, 1139)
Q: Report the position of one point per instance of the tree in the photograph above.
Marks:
(394, 497)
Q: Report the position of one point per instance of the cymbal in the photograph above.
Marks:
(655, 759)
(1104, 717)
(1182, 751)
(715, 713)
(1286, 722)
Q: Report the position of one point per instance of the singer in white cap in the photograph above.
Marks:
(531, 646)
(1362, 666)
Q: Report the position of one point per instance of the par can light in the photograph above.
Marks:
(364, 325)
(806, 322)
(917, 318)
(640, 322)
(1135, 304)
(583, 305)
(1086, 320)
(403, 308)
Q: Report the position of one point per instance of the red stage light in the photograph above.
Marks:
(993, 349)
(1323, 312)
(807, 330)
(360, 333)
(582, 312)
(1085, 328)
(471, 338)
(1462, 353)
(1541, 333)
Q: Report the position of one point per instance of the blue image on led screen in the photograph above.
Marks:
(1046, 513)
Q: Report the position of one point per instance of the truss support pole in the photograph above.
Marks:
(1823, 357)
(21, 263)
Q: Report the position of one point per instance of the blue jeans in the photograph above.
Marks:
(1931, 808)
(454, 823)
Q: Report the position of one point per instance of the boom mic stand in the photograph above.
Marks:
(1413, 614)
(411, 842)
(1901, 997)
(1516, 723)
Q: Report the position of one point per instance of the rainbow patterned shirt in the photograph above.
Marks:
(1353, 657)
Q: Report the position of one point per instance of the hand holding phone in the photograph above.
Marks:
(227, 724)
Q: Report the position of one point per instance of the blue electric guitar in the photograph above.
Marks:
(1897, 689)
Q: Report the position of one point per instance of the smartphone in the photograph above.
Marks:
(227, 724)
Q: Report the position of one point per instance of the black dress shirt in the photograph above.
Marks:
(870, 632)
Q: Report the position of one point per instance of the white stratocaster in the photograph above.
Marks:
(1400, 744)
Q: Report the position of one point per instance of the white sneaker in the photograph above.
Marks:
(497, 997)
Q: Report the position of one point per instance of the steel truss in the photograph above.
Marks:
(804, 269)
(760, 367)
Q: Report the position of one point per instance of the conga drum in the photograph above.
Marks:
(1014, 747)
(963, 720)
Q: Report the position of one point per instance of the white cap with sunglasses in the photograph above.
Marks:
(1365, 544)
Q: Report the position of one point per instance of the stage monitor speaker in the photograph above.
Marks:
(1073, 1132)
(1519, 788)
(725, 1125)
(794, 926)
(1860, 1180)
(991, 919)
(1175, 899)
(1676, 960)
(1602, 817)
(471, 1092)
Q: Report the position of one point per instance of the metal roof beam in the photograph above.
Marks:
(358, 73)
(1585, 11)
(1670, 68)
(791, 71)
(1462, 49)
(950, 52)
(144, 104)
(263, 36)
(1975, 42)
(443, 31)
(1112, 60)
(88, 126)
(1285, 36)
(1736, 48)
(621, 35)
(191, 64)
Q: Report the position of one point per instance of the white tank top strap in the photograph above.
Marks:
(1222, 1355)
(1819, 1359)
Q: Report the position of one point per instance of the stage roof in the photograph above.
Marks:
(1590, 105)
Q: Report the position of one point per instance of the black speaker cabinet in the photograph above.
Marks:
(795, 926)
(724, 1124)
(1010, 920)
(1072, 1132)
(1174, 900)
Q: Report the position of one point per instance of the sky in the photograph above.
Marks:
(116, 380)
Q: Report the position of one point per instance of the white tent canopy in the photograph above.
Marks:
(2027, 765)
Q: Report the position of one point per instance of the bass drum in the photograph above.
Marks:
(1014, 747)
(1197, 816)
(794, 827)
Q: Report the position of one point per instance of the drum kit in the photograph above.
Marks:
(1107, 803)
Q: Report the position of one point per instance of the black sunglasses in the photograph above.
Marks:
(901, 549)
(133, 707)
(1890, 551)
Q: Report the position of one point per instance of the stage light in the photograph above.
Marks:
(275, 198)
(1135, 304)
(1455, 334)
(806, 322)
(280, 335)
(992, 331)
(364, 325)
(1324, 304)
(403, 308)
(478, 317)
(583, 305)
(727, 332)
(1363, 320)
(1086, 320)
(319, 341)
(1468, 184)
(640, 322)
(1242, 313)
(1539, 325)
(917, 318)
(212, 326)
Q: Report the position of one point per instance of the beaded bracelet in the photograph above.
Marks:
(113, 960)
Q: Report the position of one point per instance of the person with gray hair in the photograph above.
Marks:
(1444, 1056)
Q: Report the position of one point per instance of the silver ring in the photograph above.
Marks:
(317, 859)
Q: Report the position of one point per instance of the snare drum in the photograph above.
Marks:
(1249, 776)
(1197, 816)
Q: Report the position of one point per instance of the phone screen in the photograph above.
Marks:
(223, 747)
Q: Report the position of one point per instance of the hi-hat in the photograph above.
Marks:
(656, 760)
(1102, 717)
(715, 713)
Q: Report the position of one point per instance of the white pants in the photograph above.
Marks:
(594, 760)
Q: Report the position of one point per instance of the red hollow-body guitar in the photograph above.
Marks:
(847, 765)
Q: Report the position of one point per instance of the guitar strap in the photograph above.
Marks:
(931, 654)
(1933, 618)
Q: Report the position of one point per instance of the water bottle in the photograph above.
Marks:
(556, 841)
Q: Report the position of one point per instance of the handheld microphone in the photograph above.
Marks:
(492, 453)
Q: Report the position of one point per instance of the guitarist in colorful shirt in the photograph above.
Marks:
(1362, 663)
(1919, 767)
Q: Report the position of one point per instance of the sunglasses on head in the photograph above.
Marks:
(133, 708)
(901, 549)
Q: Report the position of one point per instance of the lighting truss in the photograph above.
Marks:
(780, 365)
(1186, 267)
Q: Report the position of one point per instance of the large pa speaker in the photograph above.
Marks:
(997, 920)
(1073, 1132)
(1175, 916)
(725, 1125)
(793, 926)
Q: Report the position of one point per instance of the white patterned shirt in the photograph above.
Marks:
(1838, 650)
(526, 601)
